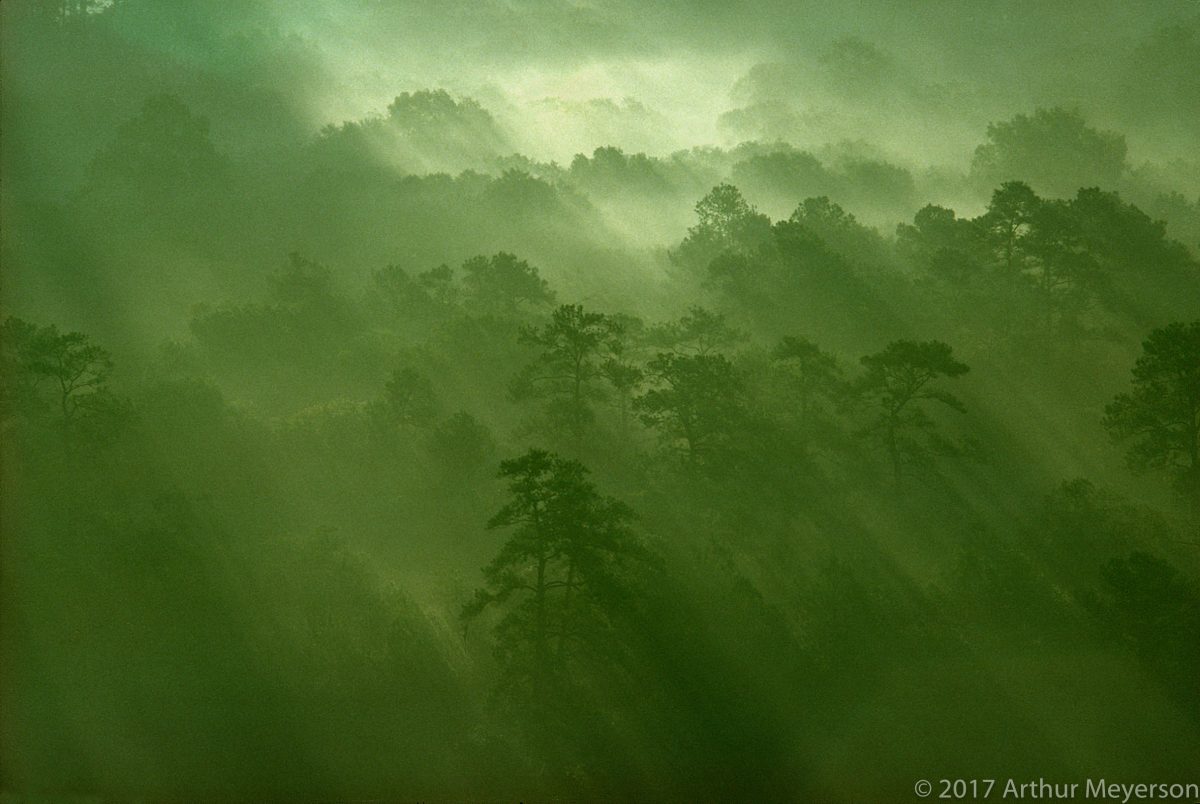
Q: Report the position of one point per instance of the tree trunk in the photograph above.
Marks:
(894, 451)
(539, 636)
(566, 618)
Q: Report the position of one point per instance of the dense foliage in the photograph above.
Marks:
(378, 460)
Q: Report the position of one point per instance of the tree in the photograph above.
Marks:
(726, 223)
(438, 284)
(410, 399)
(45, 370)
(419, 300)
(696, 403)
(856, 66)
(1160, 417)
(434, 127)
(612, 171)
(700, 332)
(1148, 605)
(937, 241)
(159, 157)
(898, 380)
(840, 230)
(18, 391)
(784, 173)
(1143, 273)
(624, 377)
(1064, 271)
(307, 303)
(1055, 148)
(813, 378)
(560, 574)
(568, 371)
(726, 216)
(463, 447)
(502, 284)
(302, 284)
(1007, 222)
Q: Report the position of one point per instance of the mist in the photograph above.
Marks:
(598, 401)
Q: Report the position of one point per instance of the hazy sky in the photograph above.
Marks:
(681, 61)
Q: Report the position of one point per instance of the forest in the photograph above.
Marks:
(607, 401)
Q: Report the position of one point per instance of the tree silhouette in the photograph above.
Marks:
(48, 370)
(409, 398)
(624, 377)
(574, 346)
(1055, 148)
(162, 155)
(898, 380)
(1007, 222)
(726, 223)
(946, 246)
(502, 284)
(813, 379)
(699, 331)
(695, 404)
(1152, 608)
(1160, 417)
(1064, 270)
(560, 574)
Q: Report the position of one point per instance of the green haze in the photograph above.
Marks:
(597, 401)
